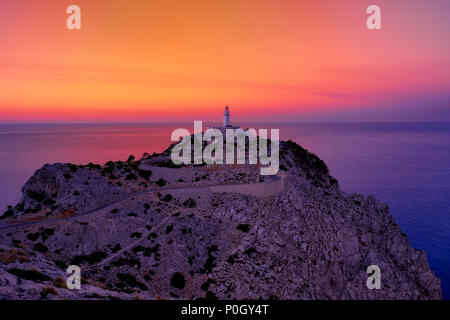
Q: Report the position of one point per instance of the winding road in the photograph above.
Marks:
(276, 181)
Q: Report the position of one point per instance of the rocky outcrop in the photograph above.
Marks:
(151, 230)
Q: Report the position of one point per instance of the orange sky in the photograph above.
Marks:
(157, 60)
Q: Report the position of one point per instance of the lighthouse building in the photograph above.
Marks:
(226, 117)
(226, 121)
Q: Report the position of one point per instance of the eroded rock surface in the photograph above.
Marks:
(147, 229)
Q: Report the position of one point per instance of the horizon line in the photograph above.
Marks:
(207, 121)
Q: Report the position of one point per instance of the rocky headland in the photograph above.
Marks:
(152, 230)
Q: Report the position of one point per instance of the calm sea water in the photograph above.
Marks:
(406, 165)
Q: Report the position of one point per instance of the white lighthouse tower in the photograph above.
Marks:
(226, 121)
(226, 117)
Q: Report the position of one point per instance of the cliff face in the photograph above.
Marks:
(146, 228)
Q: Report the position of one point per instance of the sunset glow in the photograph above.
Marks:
(159, 60)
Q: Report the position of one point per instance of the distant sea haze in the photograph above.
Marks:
(406, 165)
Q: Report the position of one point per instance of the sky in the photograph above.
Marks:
(182, 60)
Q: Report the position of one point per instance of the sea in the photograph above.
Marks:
(406, 165)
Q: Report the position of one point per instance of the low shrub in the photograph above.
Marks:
(177, 280)
(131, 176)
(92, 258)
(136, 235)
(59, 283)
(190, 203)
(13, 255)
(7, 213)
(167, 198)
(38, 196)
(32, 275)
(161, 182)
(243, 227)
(131, 281)
(39, 247)
(47, 291)
(146, 174)
(33, 236)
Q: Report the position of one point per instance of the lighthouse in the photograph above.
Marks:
(226, 121)
(226, 117)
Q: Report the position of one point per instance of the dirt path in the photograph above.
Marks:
(131, 245)
(248, 188)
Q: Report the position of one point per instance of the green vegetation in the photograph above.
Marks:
(46, 233)
(39, 247)
(131, 281)
(38, 196)
(148, 276)
(46, 291)
(210, 295)
(190, 203)
(148, 251)
(108, 169)
(109, 164)
(92, 258)
(60, 264)
(206, 284)
(7, 213)
(94, 166)
(169, 229)
(152, 250)
(210, 261)
(167, 198)
(152, 235)
(232, 259)
(250, 251)
(138, 249)
(136, 235)
(33, 236)
(32, 275)
(131, 176)
(185, 230)
(166, 164)
(73, 167)
(146, 174)
(20, 207)
(116, 248)
(49, 202)
(131, 262)
(33, 210)
(59, 283)
(243, 227)
(161, 182)
(177, 280)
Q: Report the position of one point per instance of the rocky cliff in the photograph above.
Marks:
(148, 229)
